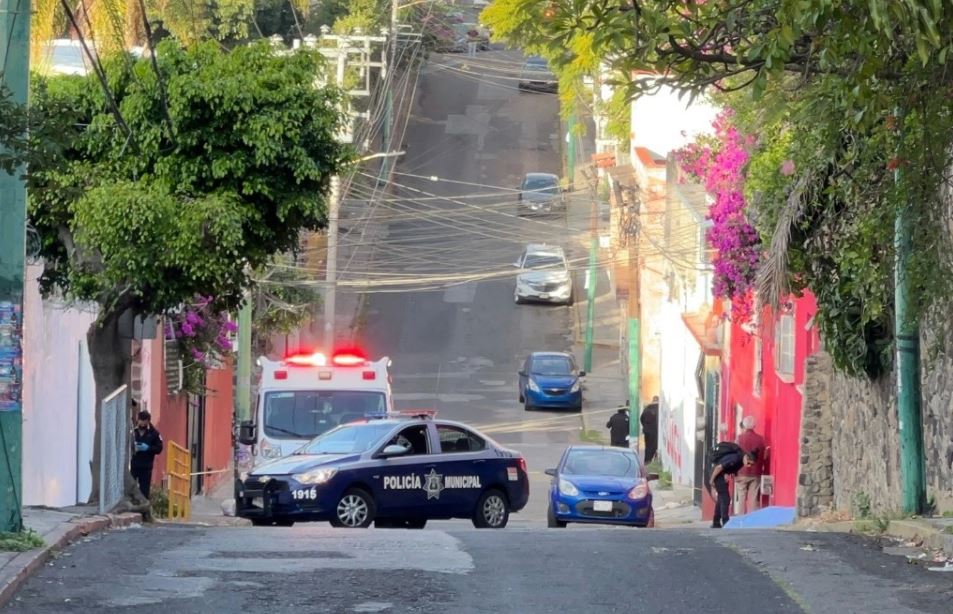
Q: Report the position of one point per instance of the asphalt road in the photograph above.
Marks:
(316, 569)
(454, 333)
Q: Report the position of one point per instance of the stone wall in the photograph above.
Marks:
(861, 453)
(815, 492)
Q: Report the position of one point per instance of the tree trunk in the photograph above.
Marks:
(110, 356)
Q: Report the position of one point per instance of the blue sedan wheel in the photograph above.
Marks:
(551, 521)
(355, 510)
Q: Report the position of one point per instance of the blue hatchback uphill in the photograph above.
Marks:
(550, 380)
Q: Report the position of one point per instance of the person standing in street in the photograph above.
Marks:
(748, 480)
(618, 426)
(472, 43)
(729, 458)
(147, 444)
(649, 420)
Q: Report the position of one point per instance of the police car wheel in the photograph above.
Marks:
(355, 510)
(492, 511)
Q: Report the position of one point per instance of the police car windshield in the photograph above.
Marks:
(305, 414)
(351, 439)
(601, 463)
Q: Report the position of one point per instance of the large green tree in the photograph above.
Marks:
(842, 94)
(161, 190)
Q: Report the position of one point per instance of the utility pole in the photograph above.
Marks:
(907, 327)
(334, 211)
(633, 318)
(14, 71)
(571, 149)
(243, 385)
(591, 274)
(389, 93)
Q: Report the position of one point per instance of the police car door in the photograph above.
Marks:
(400, 484)
(464, 468)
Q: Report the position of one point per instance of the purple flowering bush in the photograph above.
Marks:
(718, 162)
(202, 333)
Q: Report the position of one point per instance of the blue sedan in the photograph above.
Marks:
(551, 380)
(600, 485)
(394, 472)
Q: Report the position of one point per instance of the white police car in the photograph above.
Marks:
(397, 471)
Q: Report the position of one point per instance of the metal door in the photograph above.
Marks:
(196, 425)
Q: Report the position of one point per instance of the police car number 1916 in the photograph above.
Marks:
(304, 493)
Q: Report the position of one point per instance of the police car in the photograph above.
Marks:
(397, 471)
(307, 394)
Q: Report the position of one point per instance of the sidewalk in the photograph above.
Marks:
(58, 528)
(934, 534)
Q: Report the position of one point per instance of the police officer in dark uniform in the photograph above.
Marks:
(147, 444)
(618, 426)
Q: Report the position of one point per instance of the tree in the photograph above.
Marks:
(160, 191)
(842, 94)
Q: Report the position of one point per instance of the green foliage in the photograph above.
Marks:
(281, 302)
(159, 501)
(181, 205)
(664, 477)
(13, 124)
(365, 15)
(22, 541)
(818, 83)
(860, 505)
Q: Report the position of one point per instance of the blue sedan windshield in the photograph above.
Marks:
(601, 463)
(552, 365)
(349, 439)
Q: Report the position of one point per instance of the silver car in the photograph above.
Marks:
(544, 276)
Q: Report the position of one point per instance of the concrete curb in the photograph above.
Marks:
(909, 530)
(28, 563)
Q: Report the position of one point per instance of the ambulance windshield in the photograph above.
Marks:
(305, 414)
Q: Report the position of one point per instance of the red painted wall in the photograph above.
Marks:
(170, 416)
(219, 404)
(777, 409)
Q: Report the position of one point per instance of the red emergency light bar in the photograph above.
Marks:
(350, 357)
(307, 360)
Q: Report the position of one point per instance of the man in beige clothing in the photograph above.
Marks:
(748, 480)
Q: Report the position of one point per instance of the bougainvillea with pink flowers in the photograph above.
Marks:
(718, 162)
(202, 334)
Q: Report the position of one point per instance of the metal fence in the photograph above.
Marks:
(113, 448)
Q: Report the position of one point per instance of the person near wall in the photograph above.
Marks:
(748, 480)
(146, 445)
(618, 426)
(729, 459)
(649, 420)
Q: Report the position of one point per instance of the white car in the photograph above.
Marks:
(544, 275)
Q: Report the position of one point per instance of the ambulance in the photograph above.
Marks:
(306, 395)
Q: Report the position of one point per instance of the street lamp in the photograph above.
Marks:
(330, 298)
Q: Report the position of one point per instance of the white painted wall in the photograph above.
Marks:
(661, 122)
(58, 400)
(679, 394)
